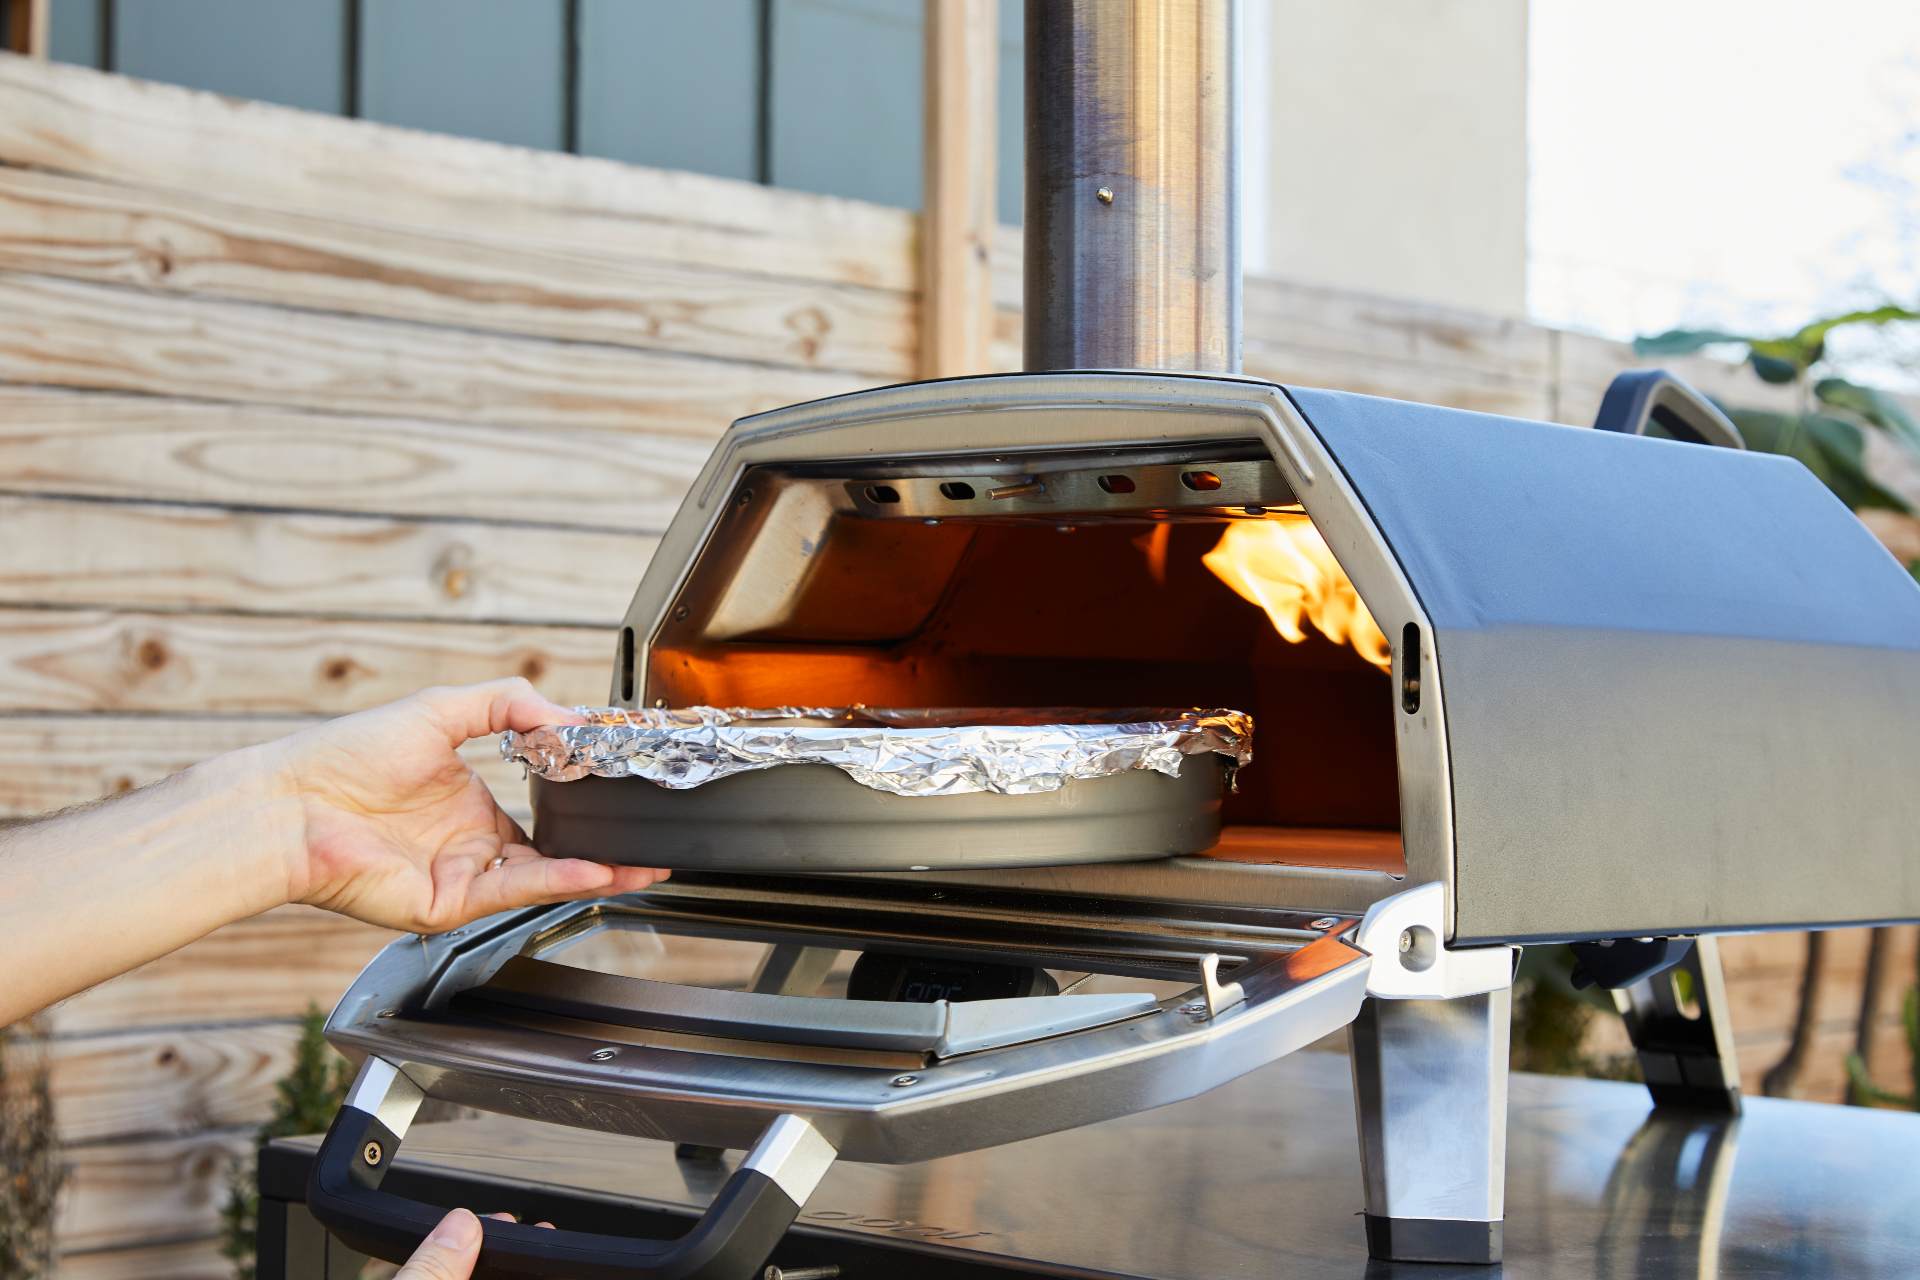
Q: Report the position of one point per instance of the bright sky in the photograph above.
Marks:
(1722, 162)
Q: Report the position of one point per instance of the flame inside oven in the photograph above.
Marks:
(1282, 564)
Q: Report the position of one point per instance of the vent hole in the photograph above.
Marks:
(1410, 668)
(957, 491)
(1117, 484)
(1200, 481)
(626, 665)
(882, 493)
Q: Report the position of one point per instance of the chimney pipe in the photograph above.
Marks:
(1133, 221)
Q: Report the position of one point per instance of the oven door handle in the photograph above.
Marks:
(731, 1240)
(1642, 396)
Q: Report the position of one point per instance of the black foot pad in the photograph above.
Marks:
(1434, 1240)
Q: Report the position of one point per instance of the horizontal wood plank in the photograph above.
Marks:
(179, 1260)
(77, 334)
(92, 660)
(73, 120)
(190, 243)
(168, 1081)
(1458, 386)
(50, 762)
(120, 1195)
(132, 555)
(110, 445)
(272, 966)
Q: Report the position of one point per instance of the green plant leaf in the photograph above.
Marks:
(1685, 342)
(1780, 359)
(1834, 449)
(1777, 369)
(1877, 407)
(1815, 333)
(1865, 1089)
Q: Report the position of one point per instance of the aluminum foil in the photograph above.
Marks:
(907, 752)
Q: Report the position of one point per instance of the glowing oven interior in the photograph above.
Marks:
(1057, 581)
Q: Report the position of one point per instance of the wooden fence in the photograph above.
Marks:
(298, 414)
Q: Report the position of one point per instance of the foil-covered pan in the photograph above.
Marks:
(862, 789)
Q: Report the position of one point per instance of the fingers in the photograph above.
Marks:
(476, 710)
(449, 1253)
(528, 878)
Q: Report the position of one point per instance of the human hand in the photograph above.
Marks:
(390, 826)
(451, 1251)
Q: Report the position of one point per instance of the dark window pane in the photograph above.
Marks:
(846, 103)
(73, 31)
(671, 84)
(492, 69)
(289, 51)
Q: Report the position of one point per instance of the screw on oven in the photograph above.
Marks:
(1324, 922)
(603, 1055)
(901, 1082)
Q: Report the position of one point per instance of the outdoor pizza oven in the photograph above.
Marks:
(1511, 682)
(1571, 655)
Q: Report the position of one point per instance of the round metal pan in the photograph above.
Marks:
(813, 817)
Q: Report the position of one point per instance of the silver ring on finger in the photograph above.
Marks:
(499, 860)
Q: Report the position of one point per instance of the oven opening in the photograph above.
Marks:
(1194, 583)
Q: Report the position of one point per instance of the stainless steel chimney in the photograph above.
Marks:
(1132, 186)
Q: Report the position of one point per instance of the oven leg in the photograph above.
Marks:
(1688, 1061)
(1430, 1090)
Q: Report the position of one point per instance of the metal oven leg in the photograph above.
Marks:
(1686, 1056)
(1430, 1090)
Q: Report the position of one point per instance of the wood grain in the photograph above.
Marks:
(131, 1193)
(177, 1260)
(48, 762)
(77, 334)
(109, 445)
(957, 226)
(168, 1081)
(1459, 385)
(189, 243)
(73, 120)
(92, 660)
(272, 966)
(177, 557)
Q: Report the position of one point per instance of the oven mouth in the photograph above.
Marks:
(1048, 578)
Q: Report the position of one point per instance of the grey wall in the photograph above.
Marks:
(819, 95)
(494, 69)
(675, 85)
(287, 51)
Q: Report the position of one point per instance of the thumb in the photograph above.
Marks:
(449, 1253)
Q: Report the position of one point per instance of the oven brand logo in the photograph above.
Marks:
(587, 1113)
(892, 1226)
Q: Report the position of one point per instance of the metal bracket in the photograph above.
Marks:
(1405, 935)
(1686, 1056)
(1219, 996)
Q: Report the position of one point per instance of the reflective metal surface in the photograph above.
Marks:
(1261, 1179)
(1682, 700)
(1133, 229)
(716, 613)
(421, 1005)
(1430, 1096)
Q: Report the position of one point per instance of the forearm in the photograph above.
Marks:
(93, 892)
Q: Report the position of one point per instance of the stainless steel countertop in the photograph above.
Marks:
(1261, 1178)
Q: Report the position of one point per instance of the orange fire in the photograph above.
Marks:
(1283, 565)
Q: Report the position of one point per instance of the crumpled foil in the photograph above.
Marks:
(907, 752)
